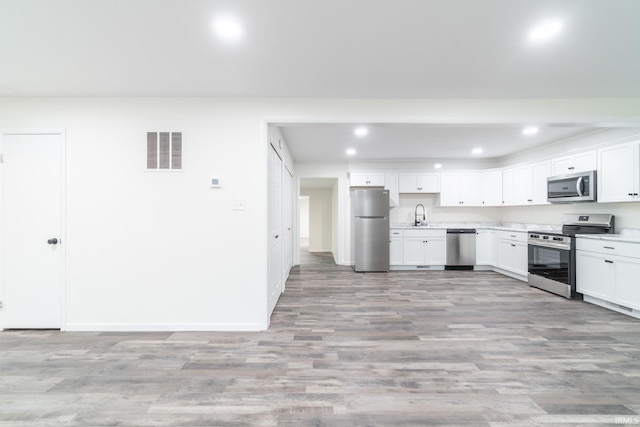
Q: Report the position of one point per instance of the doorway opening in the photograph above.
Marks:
(318, 220)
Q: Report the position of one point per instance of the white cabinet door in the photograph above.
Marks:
(522, 185)
(587, 161)
(492, 188)
(376, 179)
(461, 189)
(618, 173)
(413, 251)
(627, 290)
(539, 174)
(435, 251)
(419, 182)
(513, 256)
(361, 179)
(580, 162)
(395, 251)
(521, 258)
(594, 275)
(506, 254)
(429, 182)
(391, 184)
(450, 189)
(471, 189)
(486, 247)
(562, 165)
(507, 187)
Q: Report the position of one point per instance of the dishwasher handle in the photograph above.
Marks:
(461, 231)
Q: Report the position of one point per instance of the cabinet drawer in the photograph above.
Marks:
(609, 247)
(518, 236)
(396, 233)
(425, 233)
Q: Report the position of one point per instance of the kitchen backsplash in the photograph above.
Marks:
(627, 214)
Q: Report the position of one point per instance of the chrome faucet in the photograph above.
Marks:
(424, 214)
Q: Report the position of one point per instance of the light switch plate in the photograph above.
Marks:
(239, 205)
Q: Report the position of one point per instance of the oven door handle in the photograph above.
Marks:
(579, 186)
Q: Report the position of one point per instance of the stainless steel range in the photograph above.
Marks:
(552, 254)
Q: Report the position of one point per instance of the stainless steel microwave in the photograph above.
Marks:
(571, 188)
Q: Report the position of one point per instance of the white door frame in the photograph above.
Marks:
(63, 213)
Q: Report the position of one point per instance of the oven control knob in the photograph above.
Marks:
(545, 237)
(558, 239)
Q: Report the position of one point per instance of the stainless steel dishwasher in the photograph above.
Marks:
(461, 248)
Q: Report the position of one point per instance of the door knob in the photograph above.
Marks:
(53, 241)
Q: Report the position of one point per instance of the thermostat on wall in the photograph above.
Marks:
(215, 183)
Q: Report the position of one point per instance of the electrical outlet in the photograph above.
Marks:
(0, 305)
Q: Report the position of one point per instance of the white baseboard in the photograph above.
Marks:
(416, 267)
(612, 306)
(164, 327)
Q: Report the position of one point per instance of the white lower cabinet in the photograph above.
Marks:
(513, 252)
(395, 251)
(486, 247)
(425, 247)
(417, 247)
(607, 272)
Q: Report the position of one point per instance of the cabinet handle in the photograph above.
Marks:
(277, 235)
(529, 200)
(513, 245)
(630, 194)
(419, 188)
(608, 261)
(608, 247)
(571, 168)
(513, 235)
(635, 194)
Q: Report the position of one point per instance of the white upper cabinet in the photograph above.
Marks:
(391, 184)
(507, 187)
(581, 162)
(539, 174)
(529, 184)
(461, 189)
(371, 179)
(419, 182)
(618, 172)
(492, 188)
(522, 186)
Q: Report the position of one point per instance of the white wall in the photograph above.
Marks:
(303, 203)
(153, 250)
(320, 219)
(404, 214)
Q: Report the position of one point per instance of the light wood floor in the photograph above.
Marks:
(345, 349)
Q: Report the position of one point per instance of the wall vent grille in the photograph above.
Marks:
(164, 150)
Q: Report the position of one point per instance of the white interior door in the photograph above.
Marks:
(287, 217)
(274, 285)
(31, 231)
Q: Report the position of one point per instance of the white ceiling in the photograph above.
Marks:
(328, 142)
(328, 49)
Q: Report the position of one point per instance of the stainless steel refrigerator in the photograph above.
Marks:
(370, 229)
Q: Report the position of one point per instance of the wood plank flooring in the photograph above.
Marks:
(345, 349)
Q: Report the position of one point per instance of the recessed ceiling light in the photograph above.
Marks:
(476, 150)
(351, 151)
(545, 31)
(437, 166)
(530, 130)
(361, 131)
(228, 27)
